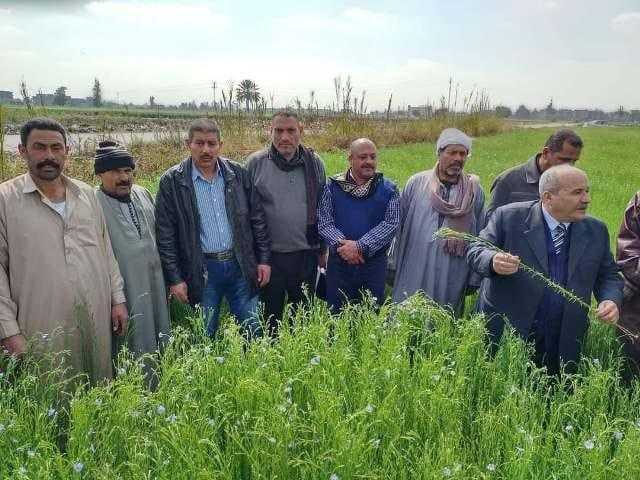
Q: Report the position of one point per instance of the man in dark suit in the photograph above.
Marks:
(555, 237)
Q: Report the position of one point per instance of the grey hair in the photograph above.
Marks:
(551, 179)
(204, 125)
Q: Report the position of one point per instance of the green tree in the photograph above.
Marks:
(60, 96)
(249, 93)
(97, 93)
(522, 112)
(502, 111)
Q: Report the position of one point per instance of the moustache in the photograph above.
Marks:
(123, 184)
(48, 163)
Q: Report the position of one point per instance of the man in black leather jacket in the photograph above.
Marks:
(211, 232)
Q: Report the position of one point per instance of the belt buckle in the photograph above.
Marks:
(227, 255)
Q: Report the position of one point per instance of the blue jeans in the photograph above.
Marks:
(225, 279)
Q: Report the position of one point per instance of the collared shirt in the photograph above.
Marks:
(215, 230)
(374, 240)
(552, 223)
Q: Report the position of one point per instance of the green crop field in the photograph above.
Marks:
(408, 392)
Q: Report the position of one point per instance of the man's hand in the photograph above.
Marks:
(323, 258)
(505, 264)
(608, 312)
(350, 252)
(264, 274)
(15, 345)
(179, 292)
(119, 319)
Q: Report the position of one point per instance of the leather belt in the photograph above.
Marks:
(219, 256)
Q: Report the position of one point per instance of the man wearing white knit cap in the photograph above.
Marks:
(444, 196)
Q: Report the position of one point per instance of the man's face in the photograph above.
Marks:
(45, 154)
(451, 163)
(285, 135)
(205, 148)
(117, 181)
(570, 203)
(568, 155)
(363, 160)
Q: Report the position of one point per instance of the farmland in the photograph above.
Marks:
(407, 392)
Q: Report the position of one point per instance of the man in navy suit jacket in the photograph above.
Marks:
(555, 237)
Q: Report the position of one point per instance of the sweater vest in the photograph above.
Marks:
(356, 216)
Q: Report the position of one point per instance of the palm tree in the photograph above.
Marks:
(248, 92)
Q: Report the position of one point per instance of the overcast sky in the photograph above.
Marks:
(580, 53)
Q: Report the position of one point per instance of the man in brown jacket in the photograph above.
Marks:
(628, 257)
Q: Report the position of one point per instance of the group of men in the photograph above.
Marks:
(257, 235)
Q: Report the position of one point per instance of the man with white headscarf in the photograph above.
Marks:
(445, 196)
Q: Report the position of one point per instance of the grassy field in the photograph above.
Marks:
(405, 393)
(359, 396)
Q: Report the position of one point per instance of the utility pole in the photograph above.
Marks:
(214, 85)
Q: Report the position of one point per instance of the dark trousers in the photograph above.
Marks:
(347, 283)
(289, 272)
(630, 319)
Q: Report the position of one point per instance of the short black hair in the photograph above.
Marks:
(204, 125)
(285, 114)
(41, 123)
(556, 141)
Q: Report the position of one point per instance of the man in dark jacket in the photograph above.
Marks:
(212, 236)
(628, 256)
(520, 183)
(555, 237)
(288, 178)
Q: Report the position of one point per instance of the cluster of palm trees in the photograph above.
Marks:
(248, 92)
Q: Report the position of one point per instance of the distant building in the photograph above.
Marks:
(80, 102)
(6, 96)
(420, 110)
(43, 99)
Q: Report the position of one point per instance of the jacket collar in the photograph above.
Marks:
(536, 235)
(531, 171)
(184, 171)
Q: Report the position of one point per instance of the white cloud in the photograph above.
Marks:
(16, 55)
(352, 19)
(8, 31)
(627, 23)
(159, 14)
(369, 18)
